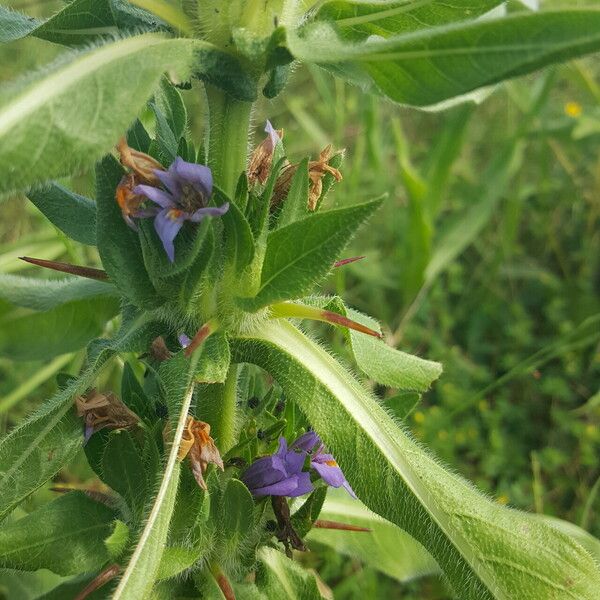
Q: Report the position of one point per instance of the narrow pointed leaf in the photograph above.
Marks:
(73, 214)
(486, 551)
(76, 110)
(432, 65)
(302, 253)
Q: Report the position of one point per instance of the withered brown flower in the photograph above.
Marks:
(200, 447)
(142, 165)
(261, 160)
(103, 410)
(317, 169)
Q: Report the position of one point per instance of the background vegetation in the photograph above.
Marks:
(486, 257)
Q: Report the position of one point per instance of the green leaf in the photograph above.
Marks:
(123, 470)
(356, 19)
(20, 585)
(386, 547)
(42, 444)
(168, 99)
(116, 542)
(80, 22)
(74, 215)
(67, 116)
(66, 536)
(432, 65)
(280, 577)
(239, 241)
(174, 560)
(134, 396)
(295, 205)
(235, 514)
(213, 359)
(118, 244)
(63, 329)
(385, 364)
(486, 551)
(46, 294)
(176, 376)
(302, 253)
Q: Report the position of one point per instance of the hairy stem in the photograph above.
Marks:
(229, 122)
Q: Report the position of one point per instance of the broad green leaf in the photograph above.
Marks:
(74, 215)
(62, 329)
(142, 570)
(20, 585)
(432, 65)
(123, 470)
(385, 547)
(118, 244)
(66, 536)
(280, 577)
(302, 253)
(174, 560)
(46, 294)
(381, 362)
(486, 551)
(385, 364)
(80, 22)
(70, 114)
(357, 19)
(117, 541)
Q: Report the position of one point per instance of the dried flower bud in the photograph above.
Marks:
(317, 169)
(128, 201)
(142, 165)
(197, 443)
(261, 160)
(103, 410)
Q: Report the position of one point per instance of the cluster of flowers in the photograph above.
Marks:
(287, 471)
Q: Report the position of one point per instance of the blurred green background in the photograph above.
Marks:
(486, 257)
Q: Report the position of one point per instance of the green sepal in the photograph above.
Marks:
(168, 99)
(308, 513)
(118, 245)
(138, 138)
(295, 205)
(134, 397)
(73, 214)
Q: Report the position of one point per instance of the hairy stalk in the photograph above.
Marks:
(229, 122)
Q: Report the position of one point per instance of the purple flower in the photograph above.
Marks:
(322, 462)
(184, 340)
(188, 187)
(273, 135)
(279, 474)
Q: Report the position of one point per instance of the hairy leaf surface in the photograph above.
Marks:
(485, 550)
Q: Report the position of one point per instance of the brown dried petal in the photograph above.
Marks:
(105, 410)
(143, 165)
(159, 350)
(262, 160)
(283, 184)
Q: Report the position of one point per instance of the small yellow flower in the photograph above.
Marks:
(502, 499)
(419, 417)
(573, 109)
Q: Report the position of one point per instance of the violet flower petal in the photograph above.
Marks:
(184, 340)
(306, 441)
(170, 180)
(209, 211)
(294, 461)
(273, 135)
(200, 176)
(296, 485)
(265, 471)
(167, 228)
(159, 196)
